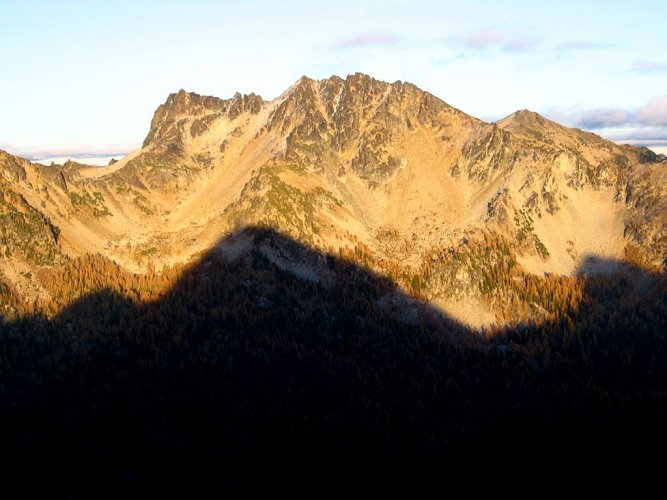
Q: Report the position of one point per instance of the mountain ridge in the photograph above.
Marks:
(345, 164)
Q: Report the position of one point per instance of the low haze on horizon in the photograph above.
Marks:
(84, 78)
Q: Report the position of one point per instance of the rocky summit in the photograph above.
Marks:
(384, 173)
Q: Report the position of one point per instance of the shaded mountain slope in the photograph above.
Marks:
(268, 356)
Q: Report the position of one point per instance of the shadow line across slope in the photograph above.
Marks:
(243, 364)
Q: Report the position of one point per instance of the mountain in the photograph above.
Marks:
(353, 282)
(419, 191)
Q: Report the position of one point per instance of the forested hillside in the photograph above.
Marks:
(229, 364)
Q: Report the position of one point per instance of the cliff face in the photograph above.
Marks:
(168, 124)
(386, 170)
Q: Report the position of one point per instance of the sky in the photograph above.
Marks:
(83, 78)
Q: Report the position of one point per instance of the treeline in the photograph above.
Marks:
(92, 273)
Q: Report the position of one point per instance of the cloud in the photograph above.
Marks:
(575, 45)
(74, 152)
(494, 38)
(644, 66)
(650, 137)
(651, 134)
(654, 113)
(643, 126)
(365, 40)
(593, 119)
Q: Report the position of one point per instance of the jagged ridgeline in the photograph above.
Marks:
(454, 210)
(354, 266)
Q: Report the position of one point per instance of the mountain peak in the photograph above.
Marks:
(534, 127)
(165, 123)
(522, 117)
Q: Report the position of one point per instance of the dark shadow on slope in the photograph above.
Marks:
(244, 371)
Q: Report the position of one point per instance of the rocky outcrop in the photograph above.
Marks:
(190, 113)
